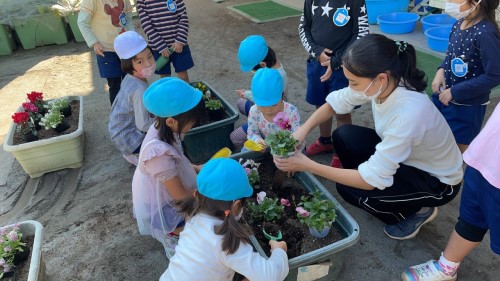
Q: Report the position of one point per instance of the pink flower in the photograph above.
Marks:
(260, 197)
(6, 268)
(282, 121)
(248, 171)
(285, 202)
(2, 262)
(304, 213)
(12, 236)
(7, 249)
(30, 107)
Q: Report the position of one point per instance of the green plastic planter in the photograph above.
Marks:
(73, 25)
(202, 142)
(41, 30)
(330, 258)
(7, 44)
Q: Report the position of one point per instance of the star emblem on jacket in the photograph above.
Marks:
(326, 9)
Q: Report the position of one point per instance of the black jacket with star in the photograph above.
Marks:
(332, 24)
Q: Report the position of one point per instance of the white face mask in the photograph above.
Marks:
(372, 97)
(148, 71)
(453, 9)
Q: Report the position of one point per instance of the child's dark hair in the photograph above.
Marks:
(191, 116)
(233, 231)
(126, 64)
(270, 59)
(486, 10)
(374, 54)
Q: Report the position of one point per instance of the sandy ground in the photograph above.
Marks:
(90, 233)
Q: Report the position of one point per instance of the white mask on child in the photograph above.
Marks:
(453, 9)
(148, 71)
(363, 93)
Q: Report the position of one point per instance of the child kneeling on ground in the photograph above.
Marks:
(214, 243)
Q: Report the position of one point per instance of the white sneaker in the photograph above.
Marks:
(132, 158)
(429, 271)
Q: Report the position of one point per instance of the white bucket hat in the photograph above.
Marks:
(129, 44)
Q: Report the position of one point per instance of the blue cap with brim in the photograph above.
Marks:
(169, 97)
(267, 87)
(223, 179)
(252, 51)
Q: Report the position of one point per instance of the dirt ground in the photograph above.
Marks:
(89, 231)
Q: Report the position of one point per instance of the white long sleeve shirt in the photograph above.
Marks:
(199, 257)
(413, 132)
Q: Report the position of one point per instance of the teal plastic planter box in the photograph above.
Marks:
(73, 25)
(331, 256)
(41, 30)
(7, 44)
(202, 142)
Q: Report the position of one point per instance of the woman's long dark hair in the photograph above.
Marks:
(189, 117)
(234, 232)
(486, 10)
(374, 54)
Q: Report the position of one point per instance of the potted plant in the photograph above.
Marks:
(265, 208)
(317, 213)
(36, 98)
(25, 126)
(12, 236)
(12, 250)
(215, 109)
(282, 143)
(61, 104)
(32, 109)
(51, 154)
(54, 119)
(251, 169)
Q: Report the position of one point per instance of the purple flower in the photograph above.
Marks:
(285, 202)
(2, 262)
(7, 249)
(13, 236)
(260, 197)
(282, 121)
(248, 171)
(302, 212)
(1, 240)
(6, 268)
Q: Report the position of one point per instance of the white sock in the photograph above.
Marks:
(448, 267)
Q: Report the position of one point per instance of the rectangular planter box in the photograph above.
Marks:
(47, 155)
(41, 30)
(37, 266)
(332, 255)
(7, 44)
(202, 142)
(73, 25)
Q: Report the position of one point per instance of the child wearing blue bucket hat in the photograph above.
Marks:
(214, 243)
(253, 54)
(267, 88)
(163, 173)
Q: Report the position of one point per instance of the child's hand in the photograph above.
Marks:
(328, 72)
(278, 244)
(438, 83)
(241, 93)
(98, 49)
(166, 53)
(177, 46)
(263, 142)
(197, 168)
(325, 55)
(445, 96)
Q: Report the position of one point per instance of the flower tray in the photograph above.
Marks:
(327, 261)
(47, 155)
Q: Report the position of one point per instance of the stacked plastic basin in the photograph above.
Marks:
(437, 29)
(374, 8)
(397, 23)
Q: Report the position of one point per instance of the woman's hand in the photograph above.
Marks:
(177, 46)
(438, 83)
(298, 162)
(98, 49)
(300, 134)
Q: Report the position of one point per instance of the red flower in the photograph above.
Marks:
(21, 117)
(35, 97)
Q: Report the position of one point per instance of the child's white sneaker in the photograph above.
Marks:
(132, 158)
(429, 271)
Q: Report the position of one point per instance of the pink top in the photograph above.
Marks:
(484, 151)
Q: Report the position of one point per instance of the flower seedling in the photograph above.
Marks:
(25, 123)
(213, 104)
(251, 169)
(282, 143)
(315, 211)
(51, 119)
(10, 245)
(266, 209)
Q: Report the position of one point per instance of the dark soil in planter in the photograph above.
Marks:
(217, 115)
(21, 271)
(72, 120)
(294, 233)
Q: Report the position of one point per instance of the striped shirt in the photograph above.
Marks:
(163, 26)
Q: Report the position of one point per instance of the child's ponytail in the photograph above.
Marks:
(234, 231)
(375, 53)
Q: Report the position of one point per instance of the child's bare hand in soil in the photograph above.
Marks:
(278, 244)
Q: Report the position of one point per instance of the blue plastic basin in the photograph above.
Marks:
(437, 20)
(397, 23)
(375, 8)
(438, 37)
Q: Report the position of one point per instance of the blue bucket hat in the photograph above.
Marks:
(170, 96)
(267, 87)
(252, 51)
(223, 179)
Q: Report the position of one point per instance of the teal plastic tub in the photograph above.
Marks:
(331, 257)
(202, 142)
(7, 44)
(375, 8)
(40, 30)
